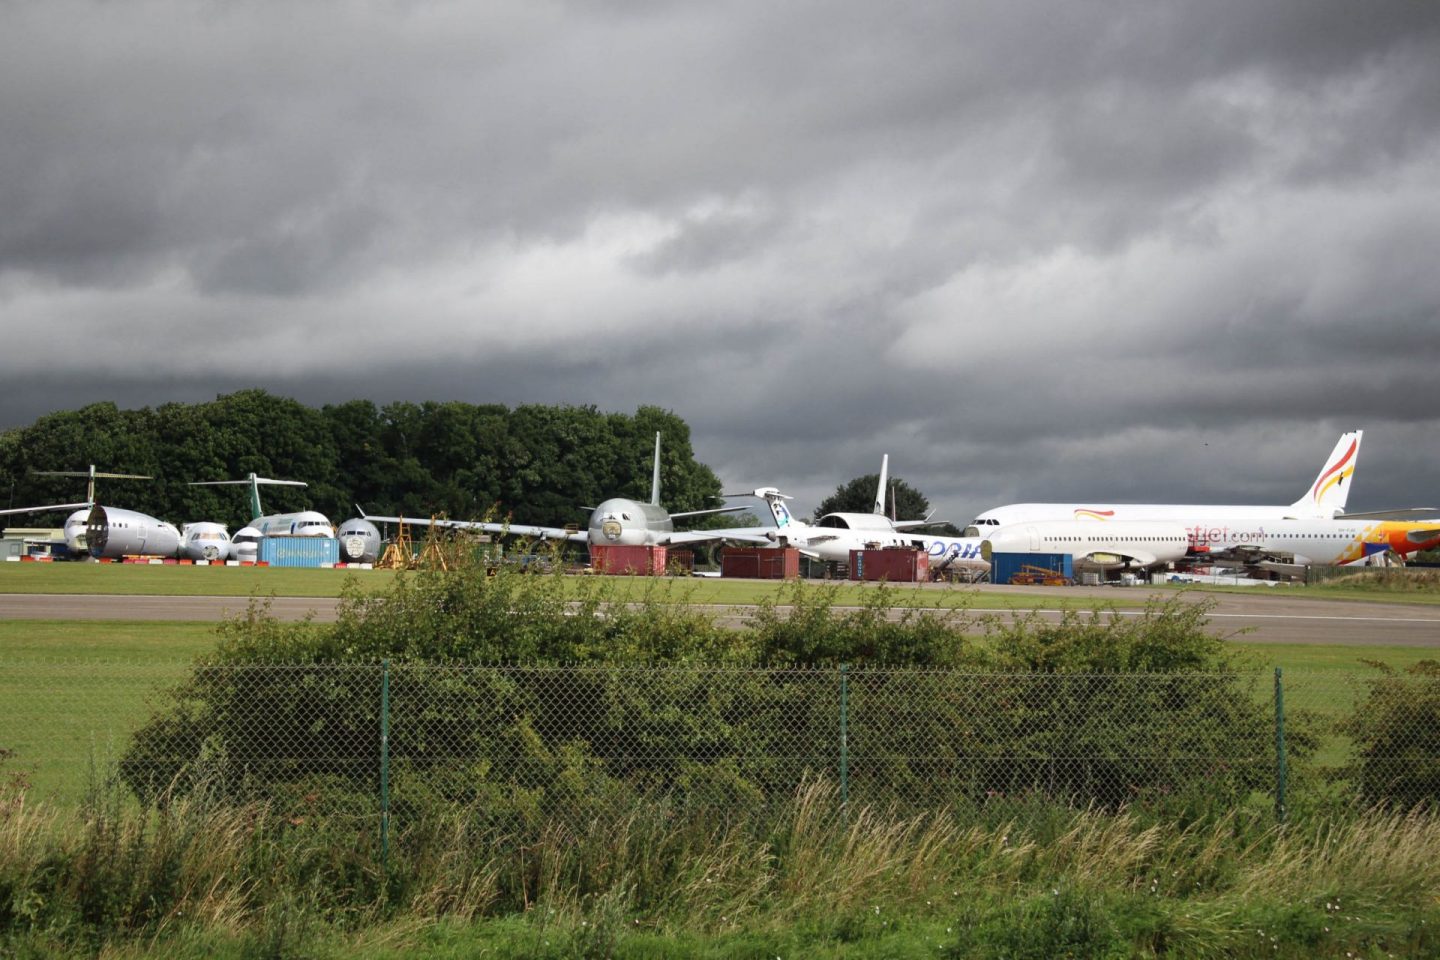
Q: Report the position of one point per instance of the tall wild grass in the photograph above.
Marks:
(1014, 879)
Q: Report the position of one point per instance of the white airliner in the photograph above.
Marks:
(74, 526)
(1289, 545)
(359, 541)
(833, 536)
(1119, 545)
(302, 523)
(618, 521)
(1324, 499)
(112, 533)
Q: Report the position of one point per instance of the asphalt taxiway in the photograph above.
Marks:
(1268, 615)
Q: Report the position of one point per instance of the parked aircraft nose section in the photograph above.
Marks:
(622, 522)
(309, 523)
(75, 532)
(245, 545)
(359, 541)
(206, 541)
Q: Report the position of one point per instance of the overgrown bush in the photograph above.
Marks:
(540, 693)
(1396, 732)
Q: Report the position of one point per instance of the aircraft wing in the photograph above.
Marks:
(513, 529)
(705, 536)
(707, 512)
(53, 506)
(1398, 514)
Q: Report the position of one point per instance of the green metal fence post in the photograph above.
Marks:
(385, 762)
(1279, 747)
(844, 734)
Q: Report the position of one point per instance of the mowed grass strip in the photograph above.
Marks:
(72, 693)
(173, 580)
(219, 581)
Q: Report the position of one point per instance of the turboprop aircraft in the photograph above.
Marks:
(302, 523)
(618, 521)
(1325, 499)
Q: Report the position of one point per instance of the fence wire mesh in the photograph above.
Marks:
(726, 735)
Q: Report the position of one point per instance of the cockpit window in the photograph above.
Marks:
(833, 521)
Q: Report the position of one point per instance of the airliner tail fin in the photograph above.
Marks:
(1327, 495)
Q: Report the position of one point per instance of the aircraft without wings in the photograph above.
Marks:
(75, 523)
(301, 523)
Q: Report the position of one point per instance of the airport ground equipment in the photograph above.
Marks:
(1030, 575)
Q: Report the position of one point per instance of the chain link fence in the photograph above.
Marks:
(393, 737)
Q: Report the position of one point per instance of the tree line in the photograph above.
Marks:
(546, 464)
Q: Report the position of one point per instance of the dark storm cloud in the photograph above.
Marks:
(1116, 249)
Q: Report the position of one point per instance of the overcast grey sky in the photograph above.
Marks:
(1099, 249)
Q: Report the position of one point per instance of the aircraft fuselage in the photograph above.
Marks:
(623, 522)
(114, 532)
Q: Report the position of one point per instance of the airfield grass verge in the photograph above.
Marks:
(596, 873)
(1396, 586)
(173, 580)
(75, 691)
(808, 878)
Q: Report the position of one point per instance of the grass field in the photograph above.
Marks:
(72, 692)
(173, 580)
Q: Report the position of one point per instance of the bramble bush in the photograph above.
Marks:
(536, 693)
(1396, 732)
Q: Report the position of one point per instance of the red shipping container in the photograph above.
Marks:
(894, 566)
(761, 563)
(644, 561)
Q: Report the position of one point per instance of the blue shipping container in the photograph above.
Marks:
(299, 551)
(1003, 566)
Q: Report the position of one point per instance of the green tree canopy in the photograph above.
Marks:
(542, 464)
(858, 496)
